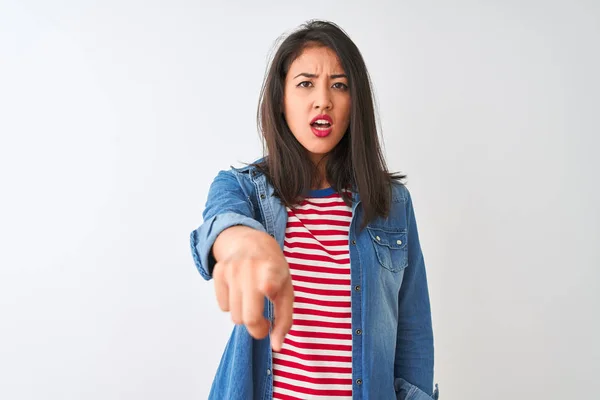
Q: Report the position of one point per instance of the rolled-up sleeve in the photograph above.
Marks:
(227, 205)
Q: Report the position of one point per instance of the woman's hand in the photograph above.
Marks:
(250, 265)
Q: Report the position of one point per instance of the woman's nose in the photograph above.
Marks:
(323, 99)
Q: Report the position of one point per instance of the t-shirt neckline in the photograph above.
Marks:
(321, 192)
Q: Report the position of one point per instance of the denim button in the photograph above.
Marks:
(359, 381)
(357, 288)
(262, 196)
(354, 242)
(358, 332)
(268, 372)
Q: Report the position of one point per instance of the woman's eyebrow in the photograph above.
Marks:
(307, 75)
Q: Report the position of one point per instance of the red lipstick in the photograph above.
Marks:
(321, 125)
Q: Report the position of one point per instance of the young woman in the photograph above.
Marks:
(313, 248)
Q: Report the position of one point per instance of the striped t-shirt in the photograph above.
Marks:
(315, 361)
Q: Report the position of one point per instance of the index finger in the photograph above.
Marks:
(252, 309)
(283, 304)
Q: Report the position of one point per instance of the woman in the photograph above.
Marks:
(314, 248)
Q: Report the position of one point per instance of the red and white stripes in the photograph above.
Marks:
(316, 357)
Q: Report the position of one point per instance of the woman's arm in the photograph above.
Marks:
(413, 364)
(227, 205)
(247, 264)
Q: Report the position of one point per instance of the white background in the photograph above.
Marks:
(115, 116)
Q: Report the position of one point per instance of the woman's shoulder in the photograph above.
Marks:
(236, 179)
(248, 168)
(400, 193)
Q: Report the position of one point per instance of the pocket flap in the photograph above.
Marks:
(393, 240)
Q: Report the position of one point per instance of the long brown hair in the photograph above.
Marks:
(356, 162)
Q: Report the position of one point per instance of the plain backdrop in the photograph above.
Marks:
(115, 116)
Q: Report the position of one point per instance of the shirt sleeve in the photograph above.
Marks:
(413, 363)
(227, 205)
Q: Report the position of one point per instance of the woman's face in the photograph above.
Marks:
(317, 101)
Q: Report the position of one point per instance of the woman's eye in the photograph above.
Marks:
(340, 85)
(304, 84)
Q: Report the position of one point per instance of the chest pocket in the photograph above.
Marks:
(390, 248)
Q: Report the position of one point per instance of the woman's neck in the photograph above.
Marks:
(322, 182)
(323, 185)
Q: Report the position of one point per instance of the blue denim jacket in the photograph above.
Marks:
(392, 345)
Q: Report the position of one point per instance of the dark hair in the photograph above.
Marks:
(357, 161)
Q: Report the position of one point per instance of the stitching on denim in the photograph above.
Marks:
(247, 197)
(360, 295)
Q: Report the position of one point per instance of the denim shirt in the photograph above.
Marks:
(392, 343)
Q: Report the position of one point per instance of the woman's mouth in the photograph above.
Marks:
(321, 127)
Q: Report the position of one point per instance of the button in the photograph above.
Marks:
(378, 238)
(270, 234)
(262, 196)
(357, 288)
(358, 332)
(268, 372)
(354, 242)
(359, 381)
(398, 241)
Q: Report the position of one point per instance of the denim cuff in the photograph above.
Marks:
(408, 391)
(203, 238)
